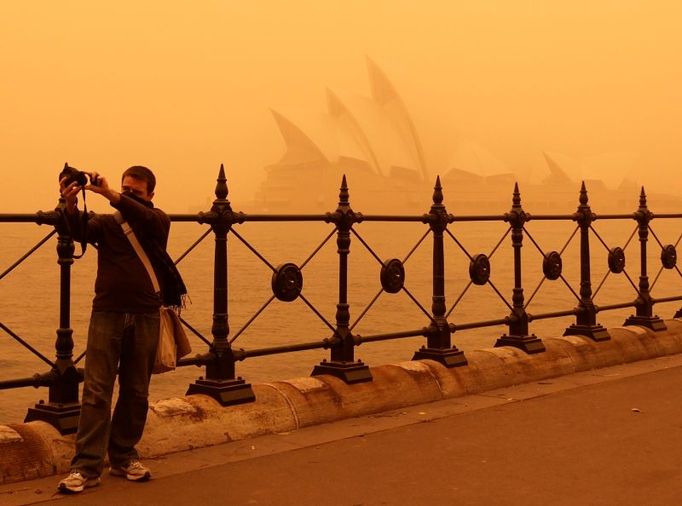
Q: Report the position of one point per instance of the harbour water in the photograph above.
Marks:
(29, 296)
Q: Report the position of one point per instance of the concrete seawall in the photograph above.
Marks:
(32, 450)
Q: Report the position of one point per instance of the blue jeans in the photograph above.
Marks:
(116, 341)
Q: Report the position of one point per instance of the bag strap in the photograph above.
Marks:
(128, 232)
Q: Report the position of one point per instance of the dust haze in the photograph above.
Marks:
(490, 87)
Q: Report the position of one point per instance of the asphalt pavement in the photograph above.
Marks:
(606, 437)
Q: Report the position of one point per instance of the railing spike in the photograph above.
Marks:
(583, 199)
(437, 192)
(221, 190)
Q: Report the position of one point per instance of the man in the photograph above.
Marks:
(124, 326)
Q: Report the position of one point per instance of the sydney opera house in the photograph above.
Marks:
(374, 142)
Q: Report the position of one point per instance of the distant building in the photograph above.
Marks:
(374, 142)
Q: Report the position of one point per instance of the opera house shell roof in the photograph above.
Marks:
(374, 142)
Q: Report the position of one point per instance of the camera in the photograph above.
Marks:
(73, 175)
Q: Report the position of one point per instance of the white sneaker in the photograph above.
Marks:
(76, 482)
(133, 471)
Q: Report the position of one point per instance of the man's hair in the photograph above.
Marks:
(143, 174)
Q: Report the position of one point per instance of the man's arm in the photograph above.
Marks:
(148, 221)
(74, 217)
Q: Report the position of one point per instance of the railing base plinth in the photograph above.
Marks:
(349, 372)
(451, 357)
(651, 322)
(594, 332)
(227, 393)
(529, 344)
(63, 417)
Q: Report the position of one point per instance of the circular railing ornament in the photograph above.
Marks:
(552, 265)
(616, 260)
(392, 276)
(287, 282)
(479, 269)
(669, 256)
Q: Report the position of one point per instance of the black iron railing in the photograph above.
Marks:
(220, 380)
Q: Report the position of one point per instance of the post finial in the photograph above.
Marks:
(221, 190)
(344, 194)
(516, 199)
(583, 199)
(437, 192)
(642, 198)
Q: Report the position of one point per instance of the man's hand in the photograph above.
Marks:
(99, 184)
(70, 195)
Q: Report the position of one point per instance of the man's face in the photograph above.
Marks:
(138, 187)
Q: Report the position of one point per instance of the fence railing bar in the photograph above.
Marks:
(528, 234)
(456, 218)
(80, 357)
(611, 307)
(500, 295)
(419, 242)
(312, 255)
(594, 231)
(37, 380)
(364, 312)
(667, 215)
(458, 244)
(678, 270)
(678, 240)
(614, 216)
(191, 248)
(387, 217)
(38, 218)
(655, 236)
(253, 250)
(568, 285)
(391, 335)
(461, 295)
(319, 315)
(183, 217)
(658, 275)
(537, 289)
(418, 304)
(631, 282)
(26, 345)
(285, 217)
(455, 327)
(594, 295)
(277, 350)
(575, 231)
(672, 298)
(553, 314)
(27, 254)
(499, 243)
(194, 331)
(352, 230)
(551, 217)
(632, 235)
(257, 313)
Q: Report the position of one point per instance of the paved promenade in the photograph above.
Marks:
(606, 437)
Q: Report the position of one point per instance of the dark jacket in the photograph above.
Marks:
(122, 283)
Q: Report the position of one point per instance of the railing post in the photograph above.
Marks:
(63, 407)
(438, 343)
(518, 326)
(586, 319)
(644, 316)
(220, 382)
(342, 363)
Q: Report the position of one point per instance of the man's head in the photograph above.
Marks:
(139, 181)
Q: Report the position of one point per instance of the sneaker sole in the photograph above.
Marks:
(64, 489)
(122, 474)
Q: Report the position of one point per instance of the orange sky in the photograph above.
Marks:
(183, 86)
